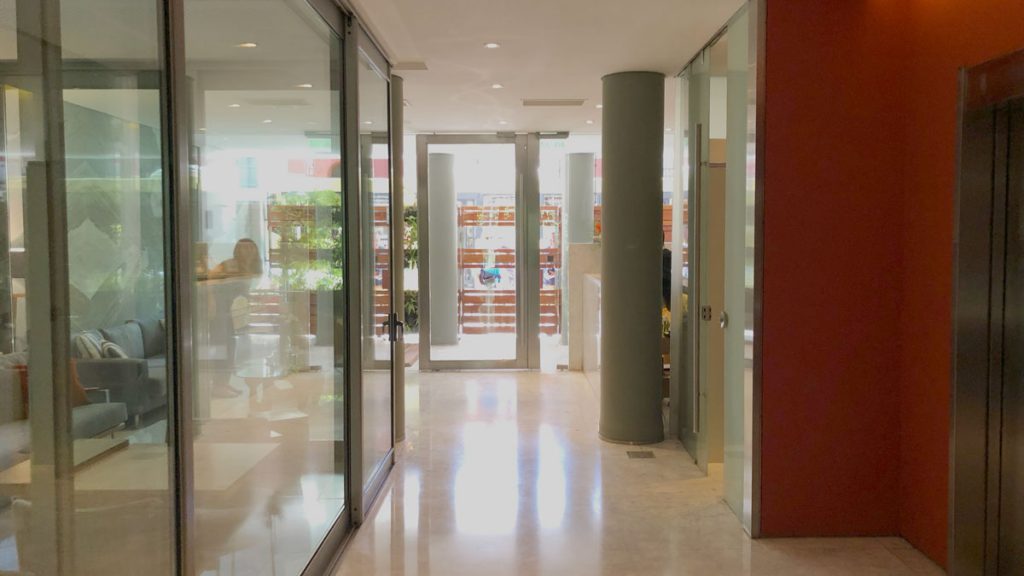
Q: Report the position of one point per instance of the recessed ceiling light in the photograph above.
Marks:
(492, 45)
(599, 106)
(234, 105)
(267, 121)
(497, 86)
(202, 129)
(304, 85)
(246, 45)
(368, 122)
(590, 121)
(502, 122)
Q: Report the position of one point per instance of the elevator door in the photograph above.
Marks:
(987, 521)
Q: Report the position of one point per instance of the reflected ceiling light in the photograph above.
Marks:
(246, 45)
(492, 45)
(368, 122)
(497, 86)
(590, 121)
(599, 106)
(234, 105)
(202, 129)
(405, 103)
(307, 85)
(502, 122)
(267, 121)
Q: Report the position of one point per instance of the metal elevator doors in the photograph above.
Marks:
(987, 523)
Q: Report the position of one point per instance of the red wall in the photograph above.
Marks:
(858, 192)
(832, 269)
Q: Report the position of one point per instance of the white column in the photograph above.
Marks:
(579, 197)
(578, 218)
(444, 243)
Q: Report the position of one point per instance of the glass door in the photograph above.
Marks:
(378, 323)
(268, 419)
(472, 269)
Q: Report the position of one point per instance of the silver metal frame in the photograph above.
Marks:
(177, 138)
(527, 210)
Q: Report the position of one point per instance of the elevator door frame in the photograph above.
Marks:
(980, 239)
(527, 250)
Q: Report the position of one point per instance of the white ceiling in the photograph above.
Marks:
(549, 49)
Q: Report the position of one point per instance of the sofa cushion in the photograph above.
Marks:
(157, 367)
(94, 419)
(113, 350)
(154, 340)
(127, 336)
(87, 344)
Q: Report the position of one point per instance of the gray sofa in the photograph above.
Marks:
(87, 421)
(139, 381)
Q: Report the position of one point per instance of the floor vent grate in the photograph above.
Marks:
(639, 453)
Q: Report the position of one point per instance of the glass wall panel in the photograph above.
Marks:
(269, 464)
(375, 251)
(84, 454)
(739, 273)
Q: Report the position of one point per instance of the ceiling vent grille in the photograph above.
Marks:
(542, 102)
(400, 66)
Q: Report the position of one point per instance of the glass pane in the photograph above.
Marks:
(472, 252)
(269, 450)
(104, 420)
(739, 272)
(375, 219)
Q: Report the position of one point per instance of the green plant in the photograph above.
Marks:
(412, 310)
(411, 242)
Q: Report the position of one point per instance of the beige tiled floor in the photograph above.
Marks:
(502, 473)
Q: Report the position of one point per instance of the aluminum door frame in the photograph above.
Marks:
(978, 284)
(524, 306)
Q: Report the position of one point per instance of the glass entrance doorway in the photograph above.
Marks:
(471, 265)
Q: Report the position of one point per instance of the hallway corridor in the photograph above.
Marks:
(502, 473)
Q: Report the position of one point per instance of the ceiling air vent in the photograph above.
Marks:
(553, 102)
(400, 66)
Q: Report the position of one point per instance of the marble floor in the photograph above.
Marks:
(502, 473)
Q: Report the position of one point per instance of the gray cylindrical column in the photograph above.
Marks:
(398, 237)
(444, 239)
(632, 140)
(579, 197)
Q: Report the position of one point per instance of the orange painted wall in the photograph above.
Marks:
(860, 173)
(944, 35)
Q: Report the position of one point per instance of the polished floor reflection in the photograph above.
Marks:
(502, 473)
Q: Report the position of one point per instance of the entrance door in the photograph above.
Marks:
(472, 276)
(987, 521)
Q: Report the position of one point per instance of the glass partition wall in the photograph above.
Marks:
(176, 257)
(85, 460)
(715, 261)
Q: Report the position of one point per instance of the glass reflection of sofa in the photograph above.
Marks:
(94, 417)
(140, 380)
